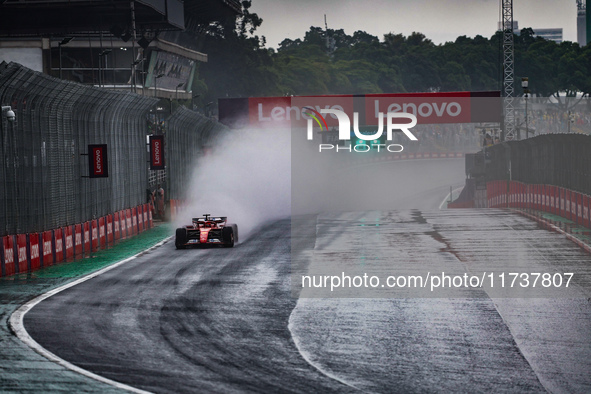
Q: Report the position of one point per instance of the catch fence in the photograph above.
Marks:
(44, 171)
(553, 159)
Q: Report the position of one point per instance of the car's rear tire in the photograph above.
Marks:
(235, 227)
(228, 236)
(180, 238)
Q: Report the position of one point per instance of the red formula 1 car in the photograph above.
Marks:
(207, 230)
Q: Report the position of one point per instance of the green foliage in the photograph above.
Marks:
(332, 62)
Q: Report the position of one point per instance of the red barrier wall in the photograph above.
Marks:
(128, 222)
(58, 245)
(69, 238)
(109, 229)
(25, 252)
(140, 218)
(47, 248)
(147, 211)
(86, 236)
(553, 199)
(116, 226)
(78, 243)
(134, 223)
(94, 235)
(102, 232)
(34, 255)
(586, 211)
(123, 222)
(21, 245)
(8, 248)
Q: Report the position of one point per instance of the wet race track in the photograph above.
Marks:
(225, 320)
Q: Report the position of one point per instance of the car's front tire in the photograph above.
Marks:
(180, 238)
(228, 236)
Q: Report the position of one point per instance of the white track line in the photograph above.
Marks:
(308, 359)
(17, 326)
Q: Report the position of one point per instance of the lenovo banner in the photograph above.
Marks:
(156, 152)
(98, 162)
(429, 108)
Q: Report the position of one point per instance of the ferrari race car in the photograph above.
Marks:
(207, 230)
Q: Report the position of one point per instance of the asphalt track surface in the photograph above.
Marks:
(224, 320)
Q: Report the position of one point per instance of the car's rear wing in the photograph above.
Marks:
(216, 219)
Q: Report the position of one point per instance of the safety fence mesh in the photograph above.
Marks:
(44, 168)
(553, 159)
(44, 176)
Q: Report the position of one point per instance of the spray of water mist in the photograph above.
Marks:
(247, 178)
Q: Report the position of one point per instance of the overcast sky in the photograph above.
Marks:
(439, 20)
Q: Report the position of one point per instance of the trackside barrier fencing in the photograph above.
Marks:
(48, 204)
(44, 170)
(28, 252)
(557, 200)
(562, 160)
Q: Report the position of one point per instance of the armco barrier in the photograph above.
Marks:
(26, 252)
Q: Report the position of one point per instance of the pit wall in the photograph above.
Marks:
(28, 252)
(557, 200)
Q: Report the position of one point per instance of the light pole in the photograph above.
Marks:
(525, 85)
(101, 55)
(156, 82)
(59, 45)
(133, 71)
(571, 119)
(177, 90)
(7, 111)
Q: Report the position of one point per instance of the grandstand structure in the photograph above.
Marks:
(146, 46)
